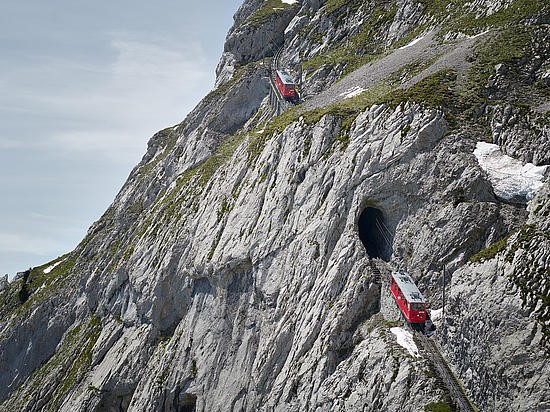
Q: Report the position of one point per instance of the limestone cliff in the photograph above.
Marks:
(234, 270)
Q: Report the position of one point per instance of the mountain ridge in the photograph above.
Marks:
(230, 274)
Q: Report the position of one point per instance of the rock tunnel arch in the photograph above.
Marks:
(375, 234)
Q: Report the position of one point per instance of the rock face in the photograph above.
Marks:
(232, 271)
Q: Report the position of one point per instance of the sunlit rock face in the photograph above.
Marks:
(234, 270)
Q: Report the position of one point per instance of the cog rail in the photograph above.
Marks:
(451, 382)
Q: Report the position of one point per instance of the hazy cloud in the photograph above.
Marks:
(16, 242)
(83, 86)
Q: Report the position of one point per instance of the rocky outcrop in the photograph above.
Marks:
(233, 270)
(497, 323)
(258, 32)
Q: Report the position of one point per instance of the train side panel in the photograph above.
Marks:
(287, 89)
(414, 312)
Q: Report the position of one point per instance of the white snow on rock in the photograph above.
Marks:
(290, 1)
(436, 314)
(52, 267)
(479, 34)
(353, 92)
(412, 43)
(511, 179)
(405, 339)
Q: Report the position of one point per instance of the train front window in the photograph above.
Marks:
(417, 307)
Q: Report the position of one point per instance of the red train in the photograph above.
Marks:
(408, 298)
(285, 84)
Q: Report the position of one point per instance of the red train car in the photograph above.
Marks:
(285, 84)
(408, 298)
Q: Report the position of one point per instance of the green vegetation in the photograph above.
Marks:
(438, 407)
(240, 73)
(82, 342)
(435, 91)
(21, 296)
(171, 205)
(528, 275)
(490, 54)
(168, 138)
(332, 6)
(491, 251)
(358, 49)
(458, 19)
(225, 207)
(194, 369)
(71, 361)
(525, 235)
(266, 12)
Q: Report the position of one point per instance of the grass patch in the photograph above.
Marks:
(358, 49)
(438, 407)
(491, 251)
(525, 235)
(62, 372)
(517, 11)
(36, 287)
(332, 6)
(270, 9)
(188, 185)
(434, 91)
(456, 17)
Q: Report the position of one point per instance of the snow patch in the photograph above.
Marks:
(290, 1)
(479, 34)
(435, 314)
(412, 43)
(405, 339)
(353, 92)
(52, 267)
(511, 180)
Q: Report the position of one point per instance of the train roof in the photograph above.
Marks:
(407, 286)
(285, 77)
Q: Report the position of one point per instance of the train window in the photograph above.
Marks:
(417, 306)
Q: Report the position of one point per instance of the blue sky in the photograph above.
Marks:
(83, 86)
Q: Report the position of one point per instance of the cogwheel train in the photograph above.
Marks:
(285, 84)
(408, 298)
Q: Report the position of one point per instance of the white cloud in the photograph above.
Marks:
(6, 144)
(18, 243)
(112, 110)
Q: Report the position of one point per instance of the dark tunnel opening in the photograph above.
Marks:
(374, 234)
(188, 403)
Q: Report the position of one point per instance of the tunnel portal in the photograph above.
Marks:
(374, 234)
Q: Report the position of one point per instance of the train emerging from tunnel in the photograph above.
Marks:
(408, 298)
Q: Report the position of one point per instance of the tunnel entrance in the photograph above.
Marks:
(374, 234)
(188, 403)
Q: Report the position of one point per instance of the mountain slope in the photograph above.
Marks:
(232, 271)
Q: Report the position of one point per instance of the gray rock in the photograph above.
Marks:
(232, 271)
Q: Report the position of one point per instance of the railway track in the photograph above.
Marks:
(276, 99)
(427, 346)
(443, 370)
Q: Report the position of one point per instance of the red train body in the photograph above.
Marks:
(408, 298)
(285, 84)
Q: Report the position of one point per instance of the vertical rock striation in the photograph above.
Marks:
(233, 270)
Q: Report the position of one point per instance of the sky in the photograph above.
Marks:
(83, 86)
